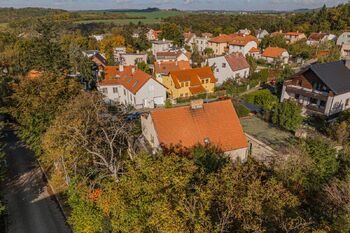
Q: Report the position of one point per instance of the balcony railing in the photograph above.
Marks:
(316, 108)
(307, 92)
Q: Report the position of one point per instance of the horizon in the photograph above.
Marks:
(183, 5)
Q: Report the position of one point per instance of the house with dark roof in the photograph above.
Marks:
(316, 38)
(128, 85)
(231, 66)
(213, 123)
(321, 88)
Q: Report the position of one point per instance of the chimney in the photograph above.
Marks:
(133, 69)
(121, 68)
(196, 104)
(347, 62)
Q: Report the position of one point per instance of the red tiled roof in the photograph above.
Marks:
(192, 75)
(273, 52)
(294, 33)
(216, 121)
(197, 90)
(167, 67)
(237, 61)
(315, 36)
(131, 81)
(254, 50)
(243, 40)
(221, 39)
(169, 54)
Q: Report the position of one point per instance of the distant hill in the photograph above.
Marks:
(150, 9)
(10, 14)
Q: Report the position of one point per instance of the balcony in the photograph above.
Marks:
(315, 109)
(307, 92)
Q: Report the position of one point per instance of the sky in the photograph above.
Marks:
(166, 4)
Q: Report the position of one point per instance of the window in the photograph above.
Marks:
(347, 102)
(297, 96)
(323, 103)
(217, 70)
(223, 65)
(245, 73)
(207, 80)
(187, 84)
(115, 89)
(182, 84)
(202, 81)
(124, 92)
(313, 101)
(104, 90)
(181, 95)
(299, 82)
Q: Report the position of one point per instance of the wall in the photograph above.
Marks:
(222, 74)
(218, 48)
(149, 131)
(152, 92)
(243, 49)
(129, 59)
(240, 154)
(338, 103)
(343, 38)
(201, 43)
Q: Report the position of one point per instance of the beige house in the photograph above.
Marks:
(345, 50)
(213, 123)
(293, 37)
(220, 44)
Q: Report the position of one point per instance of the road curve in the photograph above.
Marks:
(30, 207)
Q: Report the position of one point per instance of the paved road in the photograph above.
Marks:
(30, 207)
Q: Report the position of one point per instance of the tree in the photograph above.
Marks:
(144, 67)
(36, 102)
(262, 98)
(94, 141)
(287, 115)
(173, 32)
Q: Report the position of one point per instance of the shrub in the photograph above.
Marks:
(242, 110)
(287, 115)
(263, 98)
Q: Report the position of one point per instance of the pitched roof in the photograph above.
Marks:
(173, 54)
(315, 36)
(334, 74)
(133, 81)
(294, 33)
(273, 52)
(242, 40)
(192, 75)
(237, 61)
(223, 38)
(216, 121)
(254, 50)
(168, 66)
(188, 36)
(207, 34)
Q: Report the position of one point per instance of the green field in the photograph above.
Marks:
(149, 17)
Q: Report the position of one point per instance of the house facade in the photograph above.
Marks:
(321, 88)
(190, 38)
(317, 38)
(231, 66)
(128, 59)
(171, 56)
(220, 44)
(201, 44)
(163, 69)
(242, 44)
(190, 82)
(213, 123)
(293, 37)
(345, 50)
(129, 86)
(261, 33)
(344, 38)
(161, 46)
(275, 54)
(152, 34)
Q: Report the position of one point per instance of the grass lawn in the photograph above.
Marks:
(265, 132)
(150, 17)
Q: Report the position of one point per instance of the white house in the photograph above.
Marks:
(321, 88)
(189, 39)
(161, 46)
(245, 32)
(317, 38)
(242, 44)
(229, 67)
(275, 54)
(201, 43)
(345, 50)
(344, 38)
(128, 59)
(129, 86)
(177, 55)
(214, 123)
(261, 33)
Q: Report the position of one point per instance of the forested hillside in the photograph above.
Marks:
(10, 14)
(326, 20)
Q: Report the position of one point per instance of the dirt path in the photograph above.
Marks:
(30, 207)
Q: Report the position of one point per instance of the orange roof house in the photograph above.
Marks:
(223, 38)
(243, 40)
(189, 82)
(272, 54)
(213, 123)
(130, 86)
(220, 43)
(164, 68)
